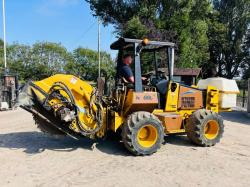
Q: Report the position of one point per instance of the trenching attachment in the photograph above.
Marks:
(56, 110)
(31, 99)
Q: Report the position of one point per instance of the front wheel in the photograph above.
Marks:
(142, 133)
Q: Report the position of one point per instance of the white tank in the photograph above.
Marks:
(228, 90)
(4, 106)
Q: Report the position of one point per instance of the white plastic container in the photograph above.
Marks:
(228, 90)
(4, 106)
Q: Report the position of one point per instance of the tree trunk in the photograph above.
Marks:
(248, 105)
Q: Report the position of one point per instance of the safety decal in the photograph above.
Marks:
(188, 92)
(73, 80)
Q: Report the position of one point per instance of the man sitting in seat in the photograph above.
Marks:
(125, 72)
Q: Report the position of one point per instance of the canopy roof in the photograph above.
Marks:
(124, 43)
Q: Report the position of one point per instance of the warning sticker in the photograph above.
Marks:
(73, 80)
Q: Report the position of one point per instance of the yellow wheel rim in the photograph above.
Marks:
(211, 129)
(147, 136)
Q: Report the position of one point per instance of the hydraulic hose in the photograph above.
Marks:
(98, 117)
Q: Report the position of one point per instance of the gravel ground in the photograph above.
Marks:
(30, 158)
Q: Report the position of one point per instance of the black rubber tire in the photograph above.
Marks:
(196, 124)
(131, 127)
(47, 128)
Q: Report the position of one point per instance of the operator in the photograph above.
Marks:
(125, 71)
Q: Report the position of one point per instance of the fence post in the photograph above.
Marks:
(248, 94)
(244, 97)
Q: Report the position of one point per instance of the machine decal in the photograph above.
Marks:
(188, 92)
(73, 80)
(147, 97)
(150, 97)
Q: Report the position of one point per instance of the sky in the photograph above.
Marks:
(69, 22)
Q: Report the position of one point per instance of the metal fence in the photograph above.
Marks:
(242, 101)
(242, 98)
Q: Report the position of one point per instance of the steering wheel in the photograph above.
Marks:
(151, 78)
(148, 77)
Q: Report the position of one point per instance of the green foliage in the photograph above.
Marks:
(214, 35)
(85, 64)
(51, 57)
(247, 72)
(44, 59)
(18, 58)
(228, 30)
(246, 49)
(135, 29)
(208, 34)
(182, 22)
(37, 62)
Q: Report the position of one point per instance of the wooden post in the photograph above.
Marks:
(248, 105)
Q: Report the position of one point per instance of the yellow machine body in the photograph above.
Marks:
(81, 92)
(178, 107)
(144, 114)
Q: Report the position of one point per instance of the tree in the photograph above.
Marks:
(227, 34)
(134, 29)
(44, 59)
(18, 57)
(188, 18)
(48, 58)
(38, 61)
(246, 49)
(85, 64)
(209, 34)
(182, 22)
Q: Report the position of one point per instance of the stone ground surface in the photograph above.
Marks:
(30, 158)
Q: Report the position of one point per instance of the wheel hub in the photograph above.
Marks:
(211, 129)
(147, 136)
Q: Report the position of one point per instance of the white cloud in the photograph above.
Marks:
(54, 7)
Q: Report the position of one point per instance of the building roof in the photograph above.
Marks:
(183, 71)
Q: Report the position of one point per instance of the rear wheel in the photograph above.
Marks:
(142, 133)
(205, 127)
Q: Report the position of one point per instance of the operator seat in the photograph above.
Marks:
(128, 84)
(162, 88)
